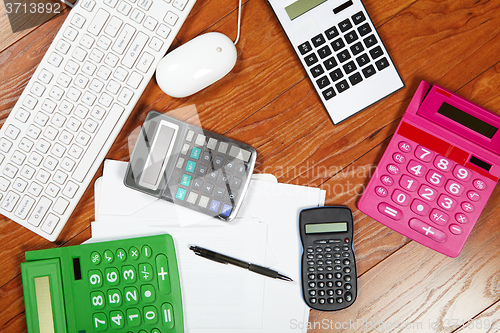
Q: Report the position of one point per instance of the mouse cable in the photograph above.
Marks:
(67, 3)
(239, 24)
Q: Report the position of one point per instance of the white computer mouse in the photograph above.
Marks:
(196, 65)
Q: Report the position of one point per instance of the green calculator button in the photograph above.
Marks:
(95, 257)
(117, 320)
(95, 278)
(145, 272)
(112, 276)
(190, 166)
(114, 298)
(100, 321)
(97, 300)
(133, 317)
(167, 315)
(163, 278)
(185, 180)
(129, 274)
(121, 254)
(131, 295)
(195, 153)
(148, 293)
(108, 256)
(146, 251)
(133, 253)
(181, 194)
(150, 315)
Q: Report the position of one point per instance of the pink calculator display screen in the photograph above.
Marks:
(438, 171)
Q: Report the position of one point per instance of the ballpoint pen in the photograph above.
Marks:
(218, 257)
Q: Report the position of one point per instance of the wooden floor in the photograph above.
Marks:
(268, 102)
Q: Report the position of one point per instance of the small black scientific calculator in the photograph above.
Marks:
(329, 280)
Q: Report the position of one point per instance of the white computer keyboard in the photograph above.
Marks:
(76, 102)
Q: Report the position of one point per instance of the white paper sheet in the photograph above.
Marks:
(272, 204)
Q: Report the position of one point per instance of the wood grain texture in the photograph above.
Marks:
(268, 102)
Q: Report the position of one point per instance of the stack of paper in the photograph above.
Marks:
(216, 297)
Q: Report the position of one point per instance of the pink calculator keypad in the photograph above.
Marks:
(424, 195)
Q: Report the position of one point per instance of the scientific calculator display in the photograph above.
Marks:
(341, 52)
(438, 171)
(127, 285)
(190, 166)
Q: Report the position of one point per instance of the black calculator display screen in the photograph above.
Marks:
(302, 6)
(317, 228)
(465, 119)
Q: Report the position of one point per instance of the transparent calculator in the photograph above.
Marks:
(190, 166)
(341, 52)
(127, 285)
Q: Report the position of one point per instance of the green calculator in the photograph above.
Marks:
(125, 286)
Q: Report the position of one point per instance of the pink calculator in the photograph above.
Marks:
(438, 171)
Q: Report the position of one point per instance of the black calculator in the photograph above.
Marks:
(329, 280)
(190, 166)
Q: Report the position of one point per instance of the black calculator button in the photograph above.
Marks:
(213, 175)
(348, 286)
(339, 292)
(329, 284)
(317, 71)
(320, 269)
(310, 250)
(206, 157)
(348, 297)
(347, 270)
(355, 78)
(330, 63)
(328, 93)
(329, 276)
(358, 18)
(321, 276)
(312, 292)
(343, 56)
(337, 44)
(235, 183)
(336, 75)
(312, 284)
(347, 262)
(328, 249)
(357, 48)
(364, 29)
(349, 67)
(340, 300)
(330, 292)
(341, 87)
(311, 59)
(311, 276)
(347, 278)
(370, 41)
(382, 63)
(376, 52)
(305, 48)
(208, 188)
(338, 275)
(332, 33)
(321, 293)
(351, 37)
(363, 60)
(336, 248)
(219, 192)
(337, 268)
(368, 71)
(338, 283)
(241, 169)
(345, 25)
(318, 40)
(313, 300)
(322, 301)
(331, 300)
(324, 52)
(322, 82)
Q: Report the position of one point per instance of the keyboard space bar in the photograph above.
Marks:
(90, 156)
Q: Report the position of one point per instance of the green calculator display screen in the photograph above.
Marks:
(130, 285)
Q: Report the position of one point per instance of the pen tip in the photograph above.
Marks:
(285, 278)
